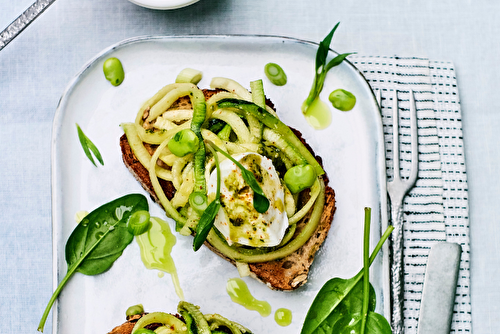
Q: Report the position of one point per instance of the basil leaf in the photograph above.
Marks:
(98, 240)
(88, 146)
(206, 223)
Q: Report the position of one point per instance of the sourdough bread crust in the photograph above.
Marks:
(287, 273)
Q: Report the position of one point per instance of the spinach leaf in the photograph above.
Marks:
(376, 323)
(98, 240)
(345, 305)
(322, 67)
(88, 146)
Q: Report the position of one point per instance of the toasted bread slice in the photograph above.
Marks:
(287, 273)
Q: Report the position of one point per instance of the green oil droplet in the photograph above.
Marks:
(156, 245)
(239, 293)
(318, 115)
(283, 317)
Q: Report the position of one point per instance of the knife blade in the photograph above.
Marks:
(438, 298)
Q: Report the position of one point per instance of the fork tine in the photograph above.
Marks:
(414, 140)
(395, 134)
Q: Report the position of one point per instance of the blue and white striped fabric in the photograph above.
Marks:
(436, 209)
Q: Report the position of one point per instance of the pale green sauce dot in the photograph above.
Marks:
(318, 115)
(283, 317)
(239, 293)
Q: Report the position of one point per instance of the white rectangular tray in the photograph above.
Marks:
(351, 148)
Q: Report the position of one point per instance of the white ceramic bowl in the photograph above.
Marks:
(163, 4)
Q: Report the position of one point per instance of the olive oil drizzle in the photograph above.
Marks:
(156, 246)
(240, 294)
(318, 114)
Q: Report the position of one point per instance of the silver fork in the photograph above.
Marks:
(397, 190)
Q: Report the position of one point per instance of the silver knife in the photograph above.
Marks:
(24, 20)
(440, 283)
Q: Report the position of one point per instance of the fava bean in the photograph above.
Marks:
(342, 99)
(299, 177)
(183, 143)
(113, 71)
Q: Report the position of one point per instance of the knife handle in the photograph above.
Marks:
(440, 284)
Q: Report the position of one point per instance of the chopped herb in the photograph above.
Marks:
(88, 146)
(322, 67)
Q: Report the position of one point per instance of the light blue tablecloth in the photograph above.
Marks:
(37, 65)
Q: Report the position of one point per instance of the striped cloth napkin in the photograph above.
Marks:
(436, 209)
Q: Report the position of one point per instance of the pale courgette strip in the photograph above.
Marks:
(140, 151)
(177, 168)
(315, 190)
(235, 122)
(212, 101)
(169, 209)
(233, 148)
(153, 100)
(181, 196)
(166, 101)
(176, 115)
(158, 137)
(231, 86)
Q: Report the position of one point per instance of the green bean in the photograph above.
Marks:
(299, 178)
(342, 99)
(183, 143)
(113, 71)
